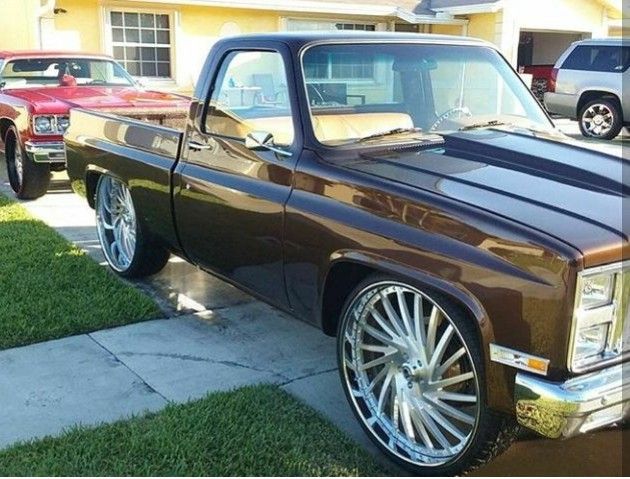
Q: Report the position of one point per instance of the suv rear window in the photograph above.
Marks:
(598, 58)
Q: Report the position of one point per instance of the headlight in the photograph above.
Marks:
(44, 125)
(600, 327)
(50, 124)
(63, 122)
(597, 290)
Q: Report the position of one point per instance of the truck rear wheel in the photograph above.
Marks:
(29, 180)
(412, 370)
(127, 249)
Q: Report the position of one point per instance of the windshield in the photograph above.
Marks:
(54, 72)
(362, 90)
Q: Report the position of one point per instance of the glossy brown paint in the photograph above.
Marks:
(458, 219)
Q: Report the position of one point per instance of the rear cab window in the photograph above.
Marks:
(598, 58)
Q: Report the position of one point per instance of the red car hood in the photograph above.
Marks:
(61, 99)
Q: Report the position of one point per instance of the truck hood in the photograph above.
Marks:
(61, 99)
(552, 185)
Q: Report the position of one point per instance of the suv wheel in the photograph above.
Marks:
(412, 369)
(601, 118)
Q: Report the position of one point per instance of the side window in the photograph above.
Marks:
(250, 94)
(598, 58)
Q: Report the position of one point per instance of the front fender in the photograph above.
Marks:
(499, 379)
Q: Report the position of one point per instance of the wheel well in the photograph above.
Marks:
(595, 95)
(91, 180)
(344, 277)
(4, 127)
(341, 280)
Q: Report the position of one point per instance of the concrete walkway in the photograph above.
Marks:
(107, 375)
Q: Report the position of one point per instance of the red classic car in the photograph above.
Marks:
(37, 91)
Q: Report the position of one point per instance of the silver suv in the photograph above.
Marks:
(586, 84)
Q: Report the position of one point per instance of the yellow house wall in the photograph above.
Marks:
(560, 15)
(484, 26)
(201, 27)
(18, 24)
(78, 29)
(447, 29)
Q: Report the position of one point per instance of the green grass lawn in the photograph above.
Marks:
(253, 431)
(51, 289)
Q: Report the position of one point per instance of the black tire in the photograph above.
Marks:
(609, 111)
(34, 180)
(148, 257)
(491, 434)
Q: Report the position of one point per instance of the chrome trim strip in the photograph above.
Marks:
(565, 409)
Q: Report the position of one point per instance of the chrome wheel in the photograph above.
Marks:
(116, 222)
(409, 374)
(598, 120)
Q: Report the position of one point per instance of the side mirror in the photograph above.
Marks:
(263, 140)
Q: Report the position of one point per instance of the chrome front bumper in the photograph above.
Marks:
(48, 152)
(579, 405)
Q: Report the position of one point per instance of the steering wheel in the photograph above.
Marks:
(313, 91)
(462, 110)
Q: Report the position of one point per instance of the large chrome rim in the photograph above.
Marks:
(598, 120)
(116, 222)
(410, 374)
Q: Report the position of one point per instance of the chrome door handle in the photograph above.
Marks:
(196, 146)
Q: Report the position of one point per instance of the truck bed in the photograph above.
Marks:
(140, 153)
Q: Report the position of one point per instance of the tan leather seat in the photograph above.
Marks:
(332, 127)
(357, 125)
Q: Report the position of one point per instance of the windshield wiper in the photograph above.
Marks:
(383, 134)
(485, 124)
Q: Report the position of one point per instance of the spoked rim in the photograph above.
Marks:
(598, 120)
(116, 223)
(410, 375)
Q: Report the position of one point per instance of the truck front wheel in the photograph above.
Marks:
(127, 249)
(29, 180)
(412, 369)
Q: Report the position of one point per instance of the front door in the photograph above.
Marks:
(229, 196)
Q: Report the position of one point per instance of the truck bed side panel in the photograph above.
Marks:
(140, 154)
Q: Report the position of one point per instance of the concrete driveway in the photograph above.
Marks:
(217, 349)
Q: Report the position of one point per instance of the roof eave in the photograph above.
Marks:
(472, 9)
(319, 7)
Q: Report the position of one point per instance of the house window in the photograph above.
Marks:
(341, 66)
(365, 27)
(296, 24)
(142, 43)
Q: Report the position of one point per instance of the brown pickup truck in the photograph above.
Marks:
(408, 195)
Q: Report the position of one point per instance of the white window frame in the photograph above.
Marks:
(379, 26)
(108, 41)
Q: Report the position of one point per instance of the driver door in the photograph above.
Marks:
(230, 192)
